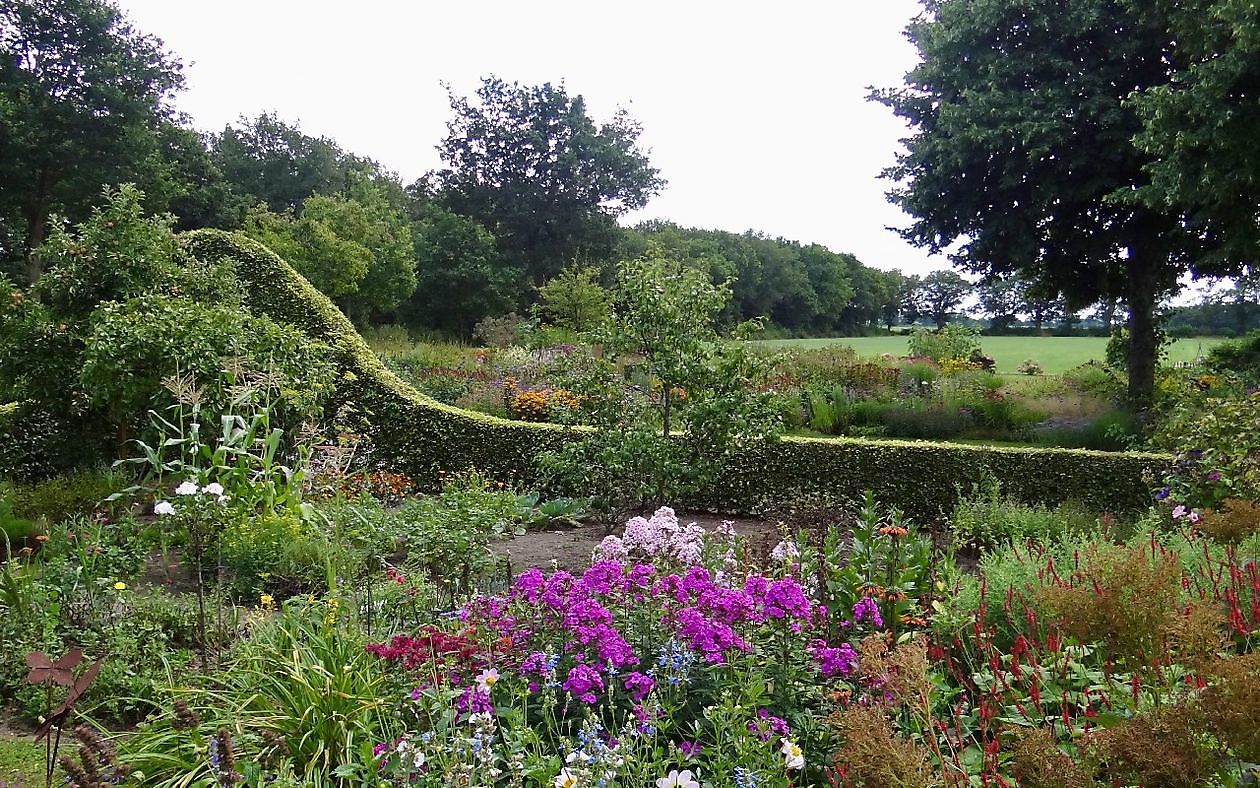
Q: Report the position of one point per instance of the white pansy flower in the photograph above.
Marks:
(793, 757)
(677, 779)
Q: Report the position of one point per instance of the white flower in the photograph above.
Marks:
(223, 499)
(793, 757)
(186, 488)
(163, 507)
(565, 779)
(486, 679)
(419, 759)
(214, 488)
(785, 551)
(676, 779)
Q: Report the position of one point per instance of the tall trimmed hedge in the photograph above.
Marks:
(422, 437)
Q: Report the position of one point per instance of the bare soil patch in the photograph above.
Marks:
(570, 548)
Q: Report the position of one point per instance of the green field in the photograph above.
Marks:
(1055, 354)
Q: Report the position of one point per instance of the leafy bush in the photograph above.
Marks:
(134, 346)
(1094, 379)
(62, 497)
(1240, 356)
(952, 341)
(985, 518)
(1030, 367)
(501, 331)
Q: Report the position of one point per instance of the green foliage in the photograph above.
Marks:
(573, 299)
(62, 497)
(1240, 356)
(947, 342)
(1217, 445)
(521, 158)
(135, 346)
(356, 248)
(422, 438)
(701, 405)
(82, 94)
(1198, 127)
(301, 693)
(267, 160)
(115, 254)
(1023, 150)
(462, 277)
(986, 518)
(941, 292)
(804, 289)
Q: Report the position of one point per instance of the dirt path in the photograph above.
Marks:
(570, 548)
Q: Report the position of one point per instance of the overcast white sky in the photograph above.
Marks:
(754, 113)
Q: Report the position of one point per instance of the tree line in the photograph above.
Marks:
(530, 185)
(1070, 154)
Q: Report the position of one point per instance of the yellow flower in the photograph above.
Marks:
(120, 586)
(266, 601)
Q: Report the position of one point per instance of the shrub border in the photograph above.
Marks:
(423, 438)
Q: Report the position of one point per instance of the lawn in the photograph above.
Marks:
(1055, 354)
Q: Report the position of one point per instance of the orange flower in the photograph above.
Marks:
(892, 530)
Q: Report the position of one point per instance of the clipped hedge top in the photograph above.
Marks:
(423, 437)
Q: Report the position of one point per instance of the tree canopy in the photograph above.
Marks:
(82, 94)
(1200, 127)
(535, 170)
(1022, 152)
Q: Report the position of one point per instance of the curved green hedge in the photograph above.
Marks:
(413, 433)
(423, 437)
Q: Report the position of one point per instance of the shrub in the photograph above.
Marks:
(1240, 356)
(62, 497)
(501, 331)
(985, 518)
(134, 346)
(1030, 367)
(702, 402)
(952, 341)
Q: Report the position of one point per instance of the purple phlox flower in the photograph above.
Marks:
(865, 609)
(786, 600)
(710, 638)
(638, 685)
(583, 682)
(838, 661)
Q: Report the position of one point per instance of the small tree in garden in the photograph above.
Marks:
(670, 397)
(573, 299)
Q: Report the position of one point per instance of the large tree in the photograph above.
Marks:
(942, 292)
(1202, 126)
(531, 165)
(1002, 299)
(82, 94)
(1022, 152)
(270, 161)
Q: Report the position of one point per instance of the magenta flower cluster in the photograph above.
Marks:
(581, 619)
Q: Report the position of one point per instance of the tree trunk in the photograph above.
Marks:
(1141, 269)
(1108, 314)
(37, 209)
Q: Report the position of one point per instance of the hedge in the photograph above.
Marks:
(422, 437)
